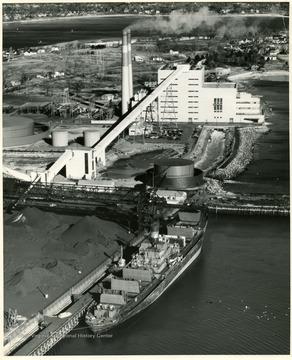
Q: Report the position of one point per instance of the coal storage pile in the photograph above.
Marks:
(90, 235)
(28, 281)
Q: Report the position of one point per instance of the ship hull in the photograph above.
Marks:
(157, 287)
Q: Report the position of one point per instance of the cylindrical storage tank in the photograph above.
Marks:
(17, 126)
(174, 168)
(176, 174)
(59, 138)
(91, 137)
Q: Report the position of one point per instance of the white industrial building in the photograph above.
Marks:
(190, 99)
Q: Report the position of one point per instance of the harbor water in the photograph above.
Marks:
(235, 299)
(269, 170)
(46, 32)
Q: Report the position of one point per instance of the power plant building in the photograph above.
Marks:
(190, 99)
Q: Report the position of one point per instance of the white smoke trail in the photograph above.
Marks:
(185, 23)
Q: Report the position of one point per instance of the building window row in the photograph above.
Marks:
(218, 104)
(170, 91)
(247, 102)
(169, 98)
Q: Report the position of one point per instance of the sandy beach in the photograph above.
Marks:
(62, 18)
(56, 18)
(273, 75)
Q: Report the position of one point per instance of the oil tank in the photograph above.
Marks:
(176, 174)
(59, 138)
(17, 127)
(174, 168)
(91, 137)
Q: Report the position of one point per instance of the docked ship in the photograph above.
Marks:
(160, 259)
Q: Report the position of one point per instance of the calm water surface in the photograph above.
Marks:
(233, 300)
(26, 34)
(269, 170)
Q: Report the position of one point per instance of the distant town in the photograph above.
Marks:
(18, 12)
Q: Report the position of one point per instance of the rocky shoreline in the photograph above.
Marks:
(247, 140)
(248, 137)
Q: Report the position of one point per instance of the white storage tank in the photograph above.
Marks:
(59, 138)
(91, 137)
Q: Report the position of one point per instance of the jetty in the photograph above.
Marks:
(250, 210)
(41, 332)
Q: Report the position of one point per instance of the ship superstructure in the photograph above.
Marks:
(152, 269)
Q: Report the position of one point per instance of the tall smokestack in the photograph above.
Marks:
(125, 73)
(130, 64)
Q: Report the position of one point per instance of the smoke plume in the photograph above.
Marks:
(185, 23)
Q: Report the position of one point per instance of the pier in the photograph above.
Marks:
(42, 341)
(250, 210)
(45, 329)
(38, 335)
